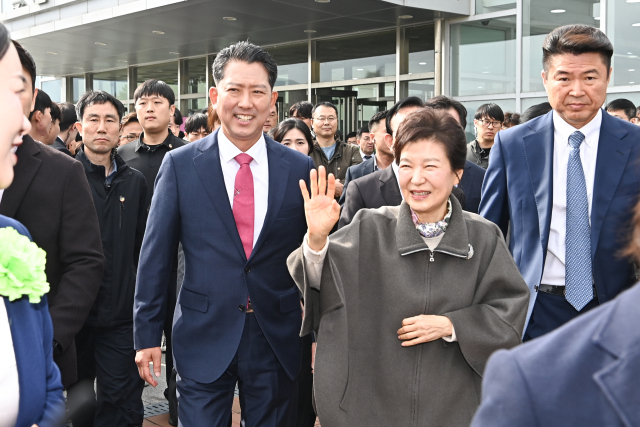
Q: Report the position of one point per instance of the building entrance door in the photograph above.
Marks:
(346, 101)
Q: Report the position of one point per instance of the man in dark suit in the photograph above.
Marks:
(238, 316)
(51, 197)
(594, 384)
(382, 189)
(382, 158)
(566, 182)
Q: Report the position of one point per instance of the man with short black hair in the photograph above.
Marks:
(351, 138)
(233, 200)
(622, 109)
(196, 127)
(54, 130)
(40, 117)
(175, 122)
(335, 155)
(363, 140)
(302, 110)
(51, 197)
(68, 131)
(104, 344)
(272, 120)
(487, 122)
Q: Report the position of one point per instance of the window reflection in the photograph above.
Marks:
(486, 6)
(194, 75)
(421, 43)
(113, 82)
(293, 64)
(423, 89)
(357, 57)
(167, 72)
(78, 88)
(621, 16)
(483, 57)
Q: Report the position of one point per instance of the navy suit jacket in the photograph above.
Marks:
(582, 374)
(41, 398)
(355, 172)
(518, 187)
(471, 186)
(191, 205)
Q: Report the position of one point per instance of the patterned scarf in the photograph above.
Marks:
(435, 229)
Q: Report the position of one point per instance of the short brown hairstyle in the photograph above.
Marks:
(212, 118)
(436, 125)
(129, 118)
(576, 39)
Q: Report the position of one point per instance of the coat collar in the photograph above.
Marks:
(618, 380)
(25, 170)
(455, 241)
(389, 189)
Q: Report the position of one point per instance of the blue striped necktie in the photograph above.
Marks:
(579, 276)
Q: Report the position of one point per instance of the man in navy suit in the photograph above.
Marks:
(567, 182)
(233, 200)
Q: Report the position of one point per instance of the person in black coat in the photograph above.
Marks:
(105, 344)
(51, 197)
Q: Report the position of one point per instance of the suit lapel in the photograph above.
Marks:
(613, 155)
(278, 179)
(207, 166)
(538, 149)
(25, 170)
(389, 187)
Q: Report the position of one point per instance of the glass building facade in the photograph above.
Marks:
(493, 55)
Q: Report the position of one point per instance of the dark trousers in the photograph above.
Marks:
(550, 312)
(168, 325)
(306, 413)
(107, 354)
(268, 398)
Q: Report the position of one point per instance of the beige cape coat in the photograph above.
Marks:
(379, 271)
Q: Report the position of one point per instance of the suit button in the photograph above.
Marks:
(241, 307)
(247, 270)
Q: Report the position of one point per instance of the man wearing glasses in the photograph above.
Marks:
(335, 156)
(488, 121)
(130, 128)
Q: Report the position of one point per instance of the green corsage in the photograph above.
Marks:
(21, 267)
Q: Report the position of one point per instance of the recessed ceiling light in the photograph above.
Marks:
(174, 53)
(309, 31)
(637, 24)
(229, 18)
(632, 69)
(422, 63)
(78, 68)
(52, 53)
(122, 60)
(157, 32)
(360, 69)
(101, 44)
(485, 72)
(410, 73)
(629, 53)
(597, 18)
(479, 87)
(633, 1)
(632, 83)
(558, 11)
(323, 1)
(405, 16)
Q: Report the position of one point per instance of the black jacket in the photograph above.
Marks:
(51, 197)
(136, 155)
(122, 216)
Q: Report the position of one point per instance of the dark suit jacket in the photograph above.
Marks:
(191, 205)
(582, 374)
(374, 191)
(51, 197)
(355, 172)
(370, 192)
(471, 185)
(41, 398)
(519, 188)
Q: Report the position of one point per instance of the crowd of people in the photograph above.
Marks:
(389, 277)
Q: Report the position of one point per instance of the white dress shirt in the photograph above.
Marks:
(314, 260)
(9, 386)
(259, 169)
(554, 268)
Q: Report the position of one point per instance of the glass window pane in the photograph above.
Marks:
(357, 57)
(194, 76)
(53, 88)
(486, 6)
(621, 17)
(421, 41)
(167, 72)
(423, 89)
(472, 106)
(293, 64)
(539, 18)
(482, 57)
(78, 88)
(113, 82)
(194, 106)
(530, 102)
(287, 98)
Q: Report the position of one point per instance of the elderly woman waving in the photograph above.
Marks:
(408, 302)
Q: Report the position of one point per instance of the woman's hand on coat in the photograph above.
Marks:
(424, 328)
(321, 209)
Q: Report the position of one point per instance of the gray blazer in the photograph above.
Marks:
(378, 272)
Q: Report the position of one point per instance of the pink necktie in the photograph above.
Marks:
(243, 207)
